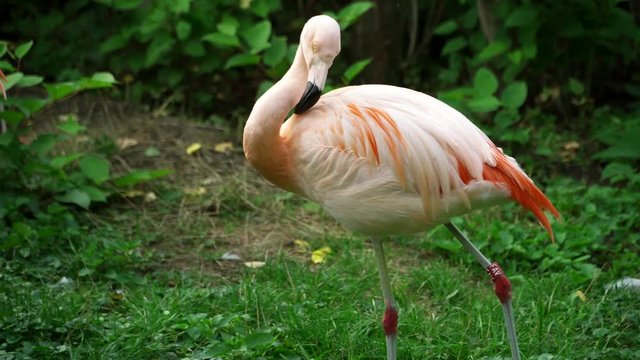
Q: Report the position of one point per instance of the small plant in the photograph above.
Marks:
(40, 181)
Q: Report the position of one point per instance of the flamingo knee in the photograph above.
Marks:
(501, 283)
(390, 320)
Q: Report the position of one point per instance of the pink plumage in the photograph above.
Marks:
(382, 160)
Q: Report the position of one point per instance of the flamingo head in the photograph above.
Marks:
(320, 44)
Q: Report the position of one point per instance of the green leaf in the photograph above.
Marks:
(222, 40)
(449, 245)
(258, 339)
(263, 8)
(505, 118)
(95, 168)
(485, 82)
(356, 68)
(194, 333)
(352, 12)
(75, 196)
(126, 4)
(3, 48)
(446, 27)
(522, 16)
(71, 126)
(6, 66)
(95, 194)
(61, 90)
(44, 143)
(276, 52)
(152, 151)
(213, 351)
(623, 150)
(242, 60)
(455, 94)
(29, 105)
(183, 30)
(114, 43)
(138, 176)
(514, 95)
(105, 77)
(194, 49)
(492, 50)
(484, 104)
(159, 47)
(257, 36)
(228, 25)
(520, 135)
(60, 162)
(453, 45)
(29, 80)
(23, 49)
(85, 271)
(6, 139)
(13, 118)
(180, 6)
(12, 79)
(618, 171)
(576, 87)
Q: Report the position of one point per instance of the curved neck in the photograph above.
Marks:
(263, 146)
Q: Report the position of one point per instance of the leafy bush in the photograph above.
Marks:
(39, 180)
(202, 55)
(538, 69)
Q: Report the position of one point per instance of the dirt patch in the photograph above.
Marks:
(194, 231)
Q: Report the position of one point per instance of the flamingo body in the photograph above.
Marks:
(382, 160)
(388, 160)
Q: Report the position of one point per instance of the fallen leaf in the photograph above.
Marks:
(569, 150)
(151, 151)
(208, 181)
(223, 147)
(199, 191)
(302, 245)
(581, 296)
(230, 256)
(319, 256)
(150, 197)
(254, 264)
(65, 281)
(133, 193)
(124, 143)
(193, 148)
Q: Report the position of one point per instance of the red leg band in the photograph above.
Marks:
(501, 284)
(390, 320)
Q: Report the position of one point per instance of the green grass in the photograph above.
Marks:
(147, 282)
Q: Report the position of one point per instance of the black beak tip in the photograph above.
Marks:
(309, 98)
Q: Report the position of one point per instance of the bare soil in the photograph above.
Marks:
(195, 233)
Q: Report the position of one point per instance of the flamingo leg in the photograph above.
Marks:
(390, 319)
(502, 287)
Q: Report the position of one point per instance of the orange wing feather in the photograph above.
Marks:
(522, 189)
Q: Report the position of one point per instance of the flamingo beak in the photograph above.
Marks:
(315, 83)
(309, 98)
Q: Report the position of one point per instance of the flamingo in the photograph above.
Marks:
(382, 160)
